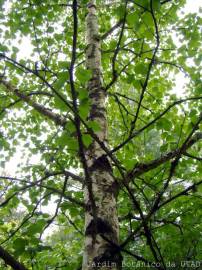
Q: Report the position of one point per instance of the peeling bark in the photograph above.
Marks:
(102, 231)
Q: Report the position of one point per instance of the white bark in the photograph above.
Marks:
(99, 252)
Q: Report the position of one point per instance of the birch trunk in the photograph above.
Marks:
(102, 230)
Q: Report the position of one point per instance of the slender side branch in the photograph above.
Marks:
(111, 30)
(151, 64)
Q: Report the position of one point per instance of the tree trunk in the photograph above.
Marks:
(101, 225)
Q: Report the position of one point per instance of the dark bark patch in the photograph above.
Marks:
(96, 90)
(96, 114)
(102, 163)
(99, 226)
(97, 111)
(95, 86)
(88, 207)
(110, 258)
(114, 188)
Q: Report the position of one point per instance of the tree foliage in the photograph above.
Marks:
(153, 131)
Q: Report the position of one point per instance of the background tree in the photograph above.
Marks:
(117, 147)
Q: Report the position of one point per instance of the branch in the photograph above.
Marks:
(59, 120)
(49, 222)
(49, 174)
(145, 167)
(12, 104)
(48, 5)
(128, 98)
(25, 219)
(173, 166)
(35, 73)
(118, 24)
(10, 260)
(67, 197)
(136, 133)
(39, 183)
(191, 156)
(118, 248)
(72, 108)
(73, 224)
(151, 64)
(184, 192)
(165, 1)
(117, 49)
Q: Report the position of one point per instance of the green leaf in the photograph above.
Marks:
(165, 124)
(94, 125)
(132, 19)
(141, 69)
(147, 18)
(87, 139)
(19, 245)
(63, 140)
(63, 77)
(66, 140)
(50, 29)
(156, 5)
(36, 227)
(58, 37)
(42, 248)
(143, 3)
(130, 163)
(3, 48)
(84, 109)
(83, 94)
(63, 65)
(70, 127)
(60, 104)
(33, 187)
(83, 75)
